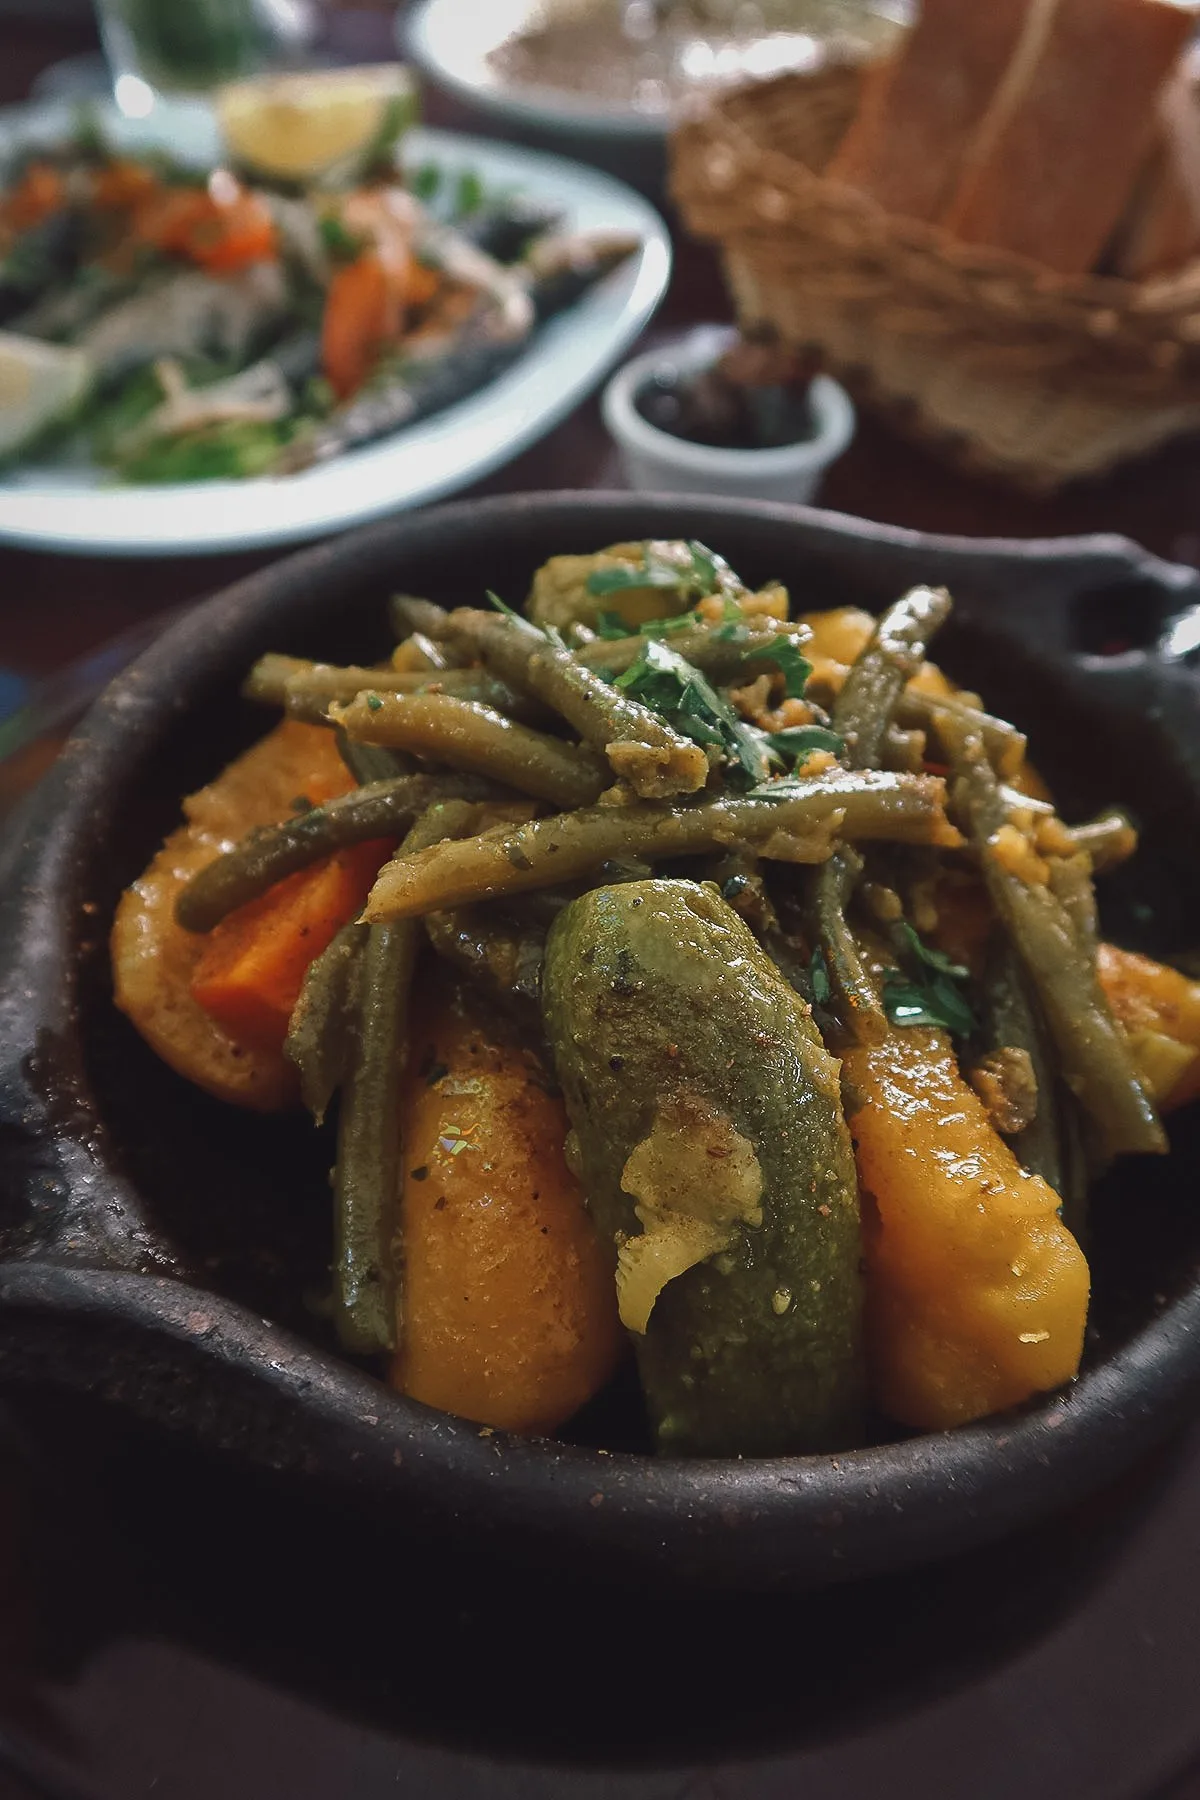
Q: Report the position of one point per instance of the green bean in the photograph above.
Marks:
(1010, 1019)
(871, 691)
(502, 958)
(367, 1177)
(382, 809)
(1094, 1057)
(478, 740)
(856, 1001)
(432, 655)
(1108, 840)
(722, 658)
(739, 876)
(306, 690)
(410, 614)
(904, 750)
(1050, 1145)
(370, 762)
(320, 1036)
(1071, 885)
(538, 909)
(656, 761)
(792, 961)
(798, 827)
(1004, 744)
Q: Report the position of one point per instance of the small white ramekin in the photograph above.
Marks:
(656, 462)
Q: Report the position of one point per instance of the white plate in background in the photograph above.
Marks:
(82, 511)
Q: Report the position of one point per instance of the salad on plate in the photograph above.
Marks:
(309, 294)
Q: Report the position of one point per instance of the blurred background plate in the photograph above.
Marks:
(73, 510)
(621, 70)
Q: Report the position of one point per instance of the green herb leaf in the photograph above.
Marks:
(784, 787)
(707, 566)
(510, 612)
(469, 194)
(818, 977)
(340, 245)
(700, 576)
(425, 181)
(602, 582)
(669, 685)
(378, 161)
(796, 741)
(933, 959)
(612, 625)
(935, 998)
(551, 632)
(935, 1002)
(795, 668)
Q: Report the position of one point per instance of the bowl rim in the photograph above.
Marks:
(834, 409)
(820, 1515)
(546, 108)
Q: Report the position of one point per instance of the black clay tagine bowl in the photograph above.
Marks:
(156, 1248)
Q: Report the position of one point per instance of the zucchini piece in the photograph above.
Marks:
(717, 1164)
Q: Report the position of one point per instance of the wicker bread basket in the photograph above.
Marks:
(1007, 366)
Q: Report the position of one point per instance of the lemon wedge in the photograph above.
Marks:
(40, 385)
(303, 127)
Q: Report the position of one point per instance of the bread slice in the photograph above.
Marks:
(1161, 230)
(921, 107)
(1057, 154)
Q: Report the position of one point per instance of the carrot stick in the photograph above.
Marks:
(363, 312)
(253, 965)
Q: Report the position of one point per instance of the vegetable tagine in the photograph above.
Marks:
(173, 325)
(683, 976)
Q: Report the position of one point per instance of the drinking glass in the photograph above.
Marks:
(186, 47)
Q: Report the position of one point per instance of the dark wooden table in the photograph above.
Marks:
(170, 1631)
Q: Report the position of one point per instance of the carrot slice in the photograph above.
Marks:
(40, 192)
(121, 184)
(221, 229)
(253, 965)
(363, 312)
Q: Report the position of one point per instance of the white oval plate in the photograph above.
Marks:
(81, 511)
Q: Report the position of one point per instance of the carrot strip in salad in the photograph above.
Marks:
(39, 194)
(222, 227)
(364, 311)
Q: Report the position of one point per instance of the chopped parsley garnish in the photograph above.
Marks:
(374, 702)
(931, 993)
(700, 575)
(795, 669)
(340, 244)
(781, 649)
(612, 625)
(510, 612)
(818, 978)
(425, 181)
(469, 194)
(786, 787)
(797, 741)
(669, 685)
(550, 632)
